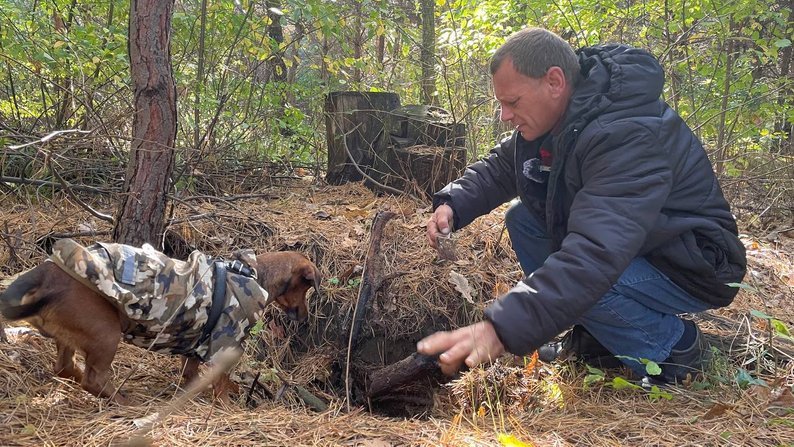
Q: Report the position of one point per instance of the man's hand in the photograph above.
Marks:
(473, 345)
(440, 223)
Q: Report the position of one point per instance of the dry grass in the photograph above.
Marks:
(543, 405)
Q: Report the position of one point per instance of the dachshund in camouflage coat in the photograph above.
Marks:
(89, 298)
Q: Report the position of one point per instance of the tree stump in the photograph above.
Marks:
(356, 132)
(429, 168)
(427, 149)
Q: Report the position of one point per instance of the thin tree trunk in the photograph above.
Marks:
(428, 53)
(358, 44)
(141, 216)
(199, 77)
(726, 91)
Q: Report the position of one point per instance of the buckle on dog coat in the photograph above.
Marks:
(240, 268)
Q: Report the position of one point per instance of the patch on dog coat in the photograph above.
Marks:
(168, 301)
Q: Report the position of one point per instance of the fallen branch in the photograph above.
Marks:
(28, 181)
(371, 281)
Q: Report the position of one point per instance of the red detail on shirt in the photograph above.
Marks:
(545, 157)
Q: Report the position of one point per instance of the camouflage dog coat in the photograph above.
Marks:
(169, 302)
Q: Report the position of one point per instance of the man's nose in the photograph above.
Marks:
(505, 114)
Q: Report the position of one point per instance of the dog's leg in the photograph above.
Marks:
(98, 357)
(221, 388)
(190, 368)
(64, 363)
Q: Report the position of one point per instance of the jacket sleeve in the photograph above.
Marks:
(626, 178)
(484, 185)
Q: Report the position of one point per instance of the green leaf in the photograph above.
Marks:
(590, 379)
(257, 328)
(783, 43)
(780, 327)
(657, 393)
(759, 314)
(652, 368)
(595, 371)
(744, 379)
(333, 281)
(619, 383)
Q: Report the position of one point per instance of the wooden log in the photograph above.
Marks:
(410, 369)
(355, 122)
(371, 281)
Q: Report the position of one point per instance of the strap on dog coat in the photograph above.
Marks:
(218, 299)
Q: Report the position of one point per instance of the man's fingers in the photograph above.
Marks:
(435, 344)
(438, 224)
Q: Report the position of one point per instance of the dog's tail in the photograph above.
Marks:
(11, 300)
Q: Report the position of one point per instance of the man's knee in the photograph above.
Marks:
(519, 220)
(513, 215)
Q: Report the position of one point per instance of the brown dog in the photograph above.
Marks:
(82, 316)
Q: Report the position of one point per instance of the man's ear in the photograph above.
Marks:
(555, 80)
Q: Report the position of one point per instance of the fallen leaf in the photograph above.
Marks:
(716, 411)
(511, 441)
(352, 213)
(782, 398)
(140, 422)
(461, 285)
(374, 443)
(533, 361)
(500, 289)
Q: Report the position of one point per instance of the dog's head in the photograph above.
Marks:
(287, 276)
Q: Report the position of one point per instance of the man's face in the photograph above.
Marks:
(532, 106)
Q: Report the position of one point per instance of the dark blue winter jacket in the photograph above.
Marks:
(628, 179)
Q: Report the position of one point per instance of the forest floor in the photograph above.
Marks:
(744, 399)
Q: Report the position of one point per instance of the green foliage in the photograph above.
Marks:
(65, 64)
(744, 379)
(595, 375)
(351, 283)
(257, 328)
(779, 327)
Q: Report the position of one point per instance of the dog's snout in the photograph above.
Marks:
(292, 313)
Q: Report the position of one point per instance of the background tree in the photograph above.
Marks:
(63, 65)
(428, 55)
(141, 216)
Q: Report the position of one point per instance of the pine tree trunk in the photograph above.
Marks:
(141, 216)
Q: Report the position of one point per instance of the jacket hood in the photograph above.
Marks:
(614, 77)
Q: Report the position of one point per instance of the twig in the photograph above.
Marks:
(226, 360)
(254, 383)
(49, 137)
(27, 181)
(67, 188)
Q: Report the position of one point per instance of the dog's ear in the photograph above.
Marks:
(311, 274)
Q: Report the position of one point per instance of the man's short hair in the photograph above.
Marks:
(535, 50)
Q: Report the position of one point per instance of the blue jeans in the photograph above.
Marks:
(636, 318)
